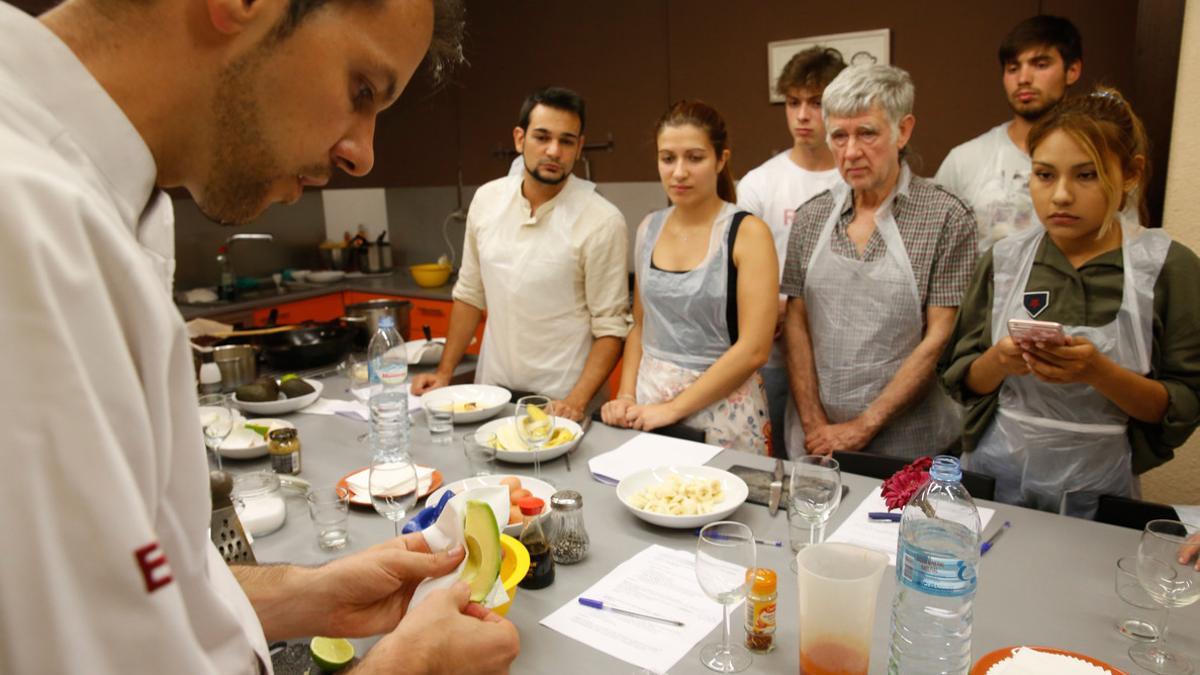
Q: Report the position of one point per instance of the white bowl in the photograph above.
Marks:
(325, 276)
(283, 405)
(540, 489)
(490, 399)
(245, 443)
(300, 275)
(734, 488)
(528, 456)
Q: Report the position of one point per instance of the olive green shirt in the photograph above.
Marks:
(1091, 296)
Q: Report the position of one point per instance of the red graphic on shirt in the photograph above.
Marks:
(788, 216)
(1035, 303)
(153, 564)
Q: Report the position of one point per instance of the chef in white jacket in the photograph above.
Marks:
(108, 566)
(544, 255)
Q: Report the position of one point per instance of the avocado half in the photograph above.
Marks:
(483, 549)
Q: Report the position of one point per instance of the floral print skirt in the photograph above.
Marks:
(740, 421)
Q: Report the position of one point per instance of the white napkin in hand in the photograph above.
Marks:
(447, 533)
(360, 482)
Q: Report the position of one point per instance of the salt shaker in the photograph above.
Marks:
(568, 537)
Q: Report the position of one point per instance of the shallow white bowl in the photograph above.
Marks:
(283, 405)
(527, 456)
(245, 443)
(491, 400)
(540, 489)
(325, 276)
(735, 490)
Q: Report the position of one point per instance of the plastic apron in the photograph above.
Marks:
(1058, 447)
(865, 319)
(538, 332)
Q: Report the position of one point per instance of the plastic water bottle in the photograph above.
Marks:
(387, 368)
(936, 561)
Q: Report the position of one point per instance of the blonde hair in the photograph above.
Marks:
(1105, 126)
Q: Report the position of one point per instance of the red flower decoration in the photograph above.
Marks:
(903, 484)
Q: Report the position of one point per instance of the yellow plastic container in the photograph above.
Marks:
(513, 568)
(430, 275)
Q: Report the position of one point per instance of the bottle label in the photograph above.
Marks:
(933, 573)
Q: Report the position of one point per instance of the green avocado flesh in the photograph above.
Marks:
(483, 549)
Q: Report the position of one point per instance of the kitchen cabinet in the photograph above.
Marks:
(321, 308)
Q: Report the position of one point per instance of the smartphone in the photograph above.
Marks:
(1046, 332)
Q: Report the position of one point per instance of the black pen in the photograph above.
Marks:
(991, 541)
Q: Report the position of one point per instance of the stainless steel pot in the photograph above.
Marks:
(368, 313)
(237, 365)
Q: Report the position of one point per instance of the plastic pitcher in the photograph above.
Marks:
(839, 584)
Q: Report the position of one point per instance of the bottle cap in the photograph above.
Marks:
(531, 506)
(386, 321)
(762, 579)
(566, 500)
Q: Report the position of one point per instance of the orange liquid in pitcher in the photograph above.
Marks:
(833, 658)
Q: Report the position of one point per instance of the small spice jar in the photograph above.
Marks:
(568, 538)
(284, 447)
(760, 610)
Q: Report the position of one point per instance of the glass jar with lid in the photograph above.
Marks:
(259, 502)
(568, 537)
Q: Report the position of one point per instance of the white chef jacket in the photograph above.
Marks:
(551, 281)
(107, 563)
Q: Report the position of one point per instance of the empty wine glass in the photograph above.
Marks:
(393, 486)
(725, 553)
(217, 418)
(1170, 577)
(535, 425)
(357, 373)
(816, 492)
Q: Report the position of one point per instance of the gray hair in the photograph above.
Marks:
(856, 89)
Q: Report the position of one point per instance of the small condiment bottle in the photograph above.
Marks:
(541, 562)
(760, 609)
(284, 447)
(568, 537)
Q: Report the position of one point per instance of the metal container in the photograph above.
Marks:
(371, 311)
(334, 258)
(237, 365)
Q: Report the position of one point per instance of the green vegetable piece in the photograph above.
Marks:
(483, 550)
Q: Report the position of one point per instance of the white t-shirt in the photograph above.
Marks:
(774, 191)
(551, 282)
(991, 173)
(107, 564)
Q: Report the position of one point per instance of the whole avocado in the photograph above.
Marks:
(254, 393)
(296, 387)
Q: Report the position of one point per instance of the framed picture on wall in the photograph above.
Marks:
(868, 46)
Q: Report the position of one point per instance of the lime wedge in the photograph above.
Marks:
(331, 653)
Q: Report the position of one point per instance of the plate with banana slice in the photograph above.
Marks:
(502, 433)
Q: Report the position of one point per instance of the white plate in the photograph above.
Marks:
(325, 276)
(245, 443)
(526, 456)
(734, 488)
(419, 355)
(490, 399)
(540, 489)
(283, 405)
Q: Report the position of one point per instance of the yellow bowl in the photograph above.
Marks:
(513, 568)
(430, 275)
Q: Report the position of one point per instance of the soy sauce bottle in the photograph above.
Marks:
(541, 562)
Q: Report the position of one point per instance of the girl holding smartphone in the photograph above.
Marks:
(1060, 422)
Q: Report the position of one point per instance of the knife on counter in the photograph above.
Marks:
(776, 488)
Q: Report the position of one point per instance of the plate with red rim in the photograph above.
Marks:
(990, 659)
(364, 499)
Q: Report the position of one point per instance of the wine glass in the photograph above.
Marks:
(815, 493)
(535, 425)
(1171, 579)
(725, 555)
(393, 486)
(217, 419)
(357, 372)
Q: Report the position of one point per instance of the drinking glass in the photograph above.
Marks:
(816, 491)
(535, 424)
(481, 457)
(329, 508)
(724, 554)
(1171, 579)
(441, 425)
(355, 369)
(1141, 615)
(217, 418)
(393, 486)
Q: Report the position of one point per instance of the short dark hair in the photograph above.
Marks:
(559, 98)
(445, 49)
(812, 68)
(1043, 30)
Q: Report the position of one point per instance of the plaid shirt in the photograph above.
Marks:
(937, 228)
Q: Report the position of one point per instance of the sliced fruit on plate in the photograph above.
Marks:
(483, 549)
(507, 439)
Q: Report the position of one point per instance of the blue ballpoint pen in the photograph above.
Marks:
(991, 541)
(597, 604)
(884, 515)
(761, 542)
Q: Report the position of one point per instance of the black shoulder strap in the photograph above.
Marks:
(731, 308)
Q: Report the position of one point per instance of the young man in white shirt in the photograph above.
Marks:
(544, 254)
(1039, 60)
(103, 102)
(775, 190)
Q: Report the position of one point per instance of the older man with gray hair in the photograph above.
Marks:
(875, 270)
